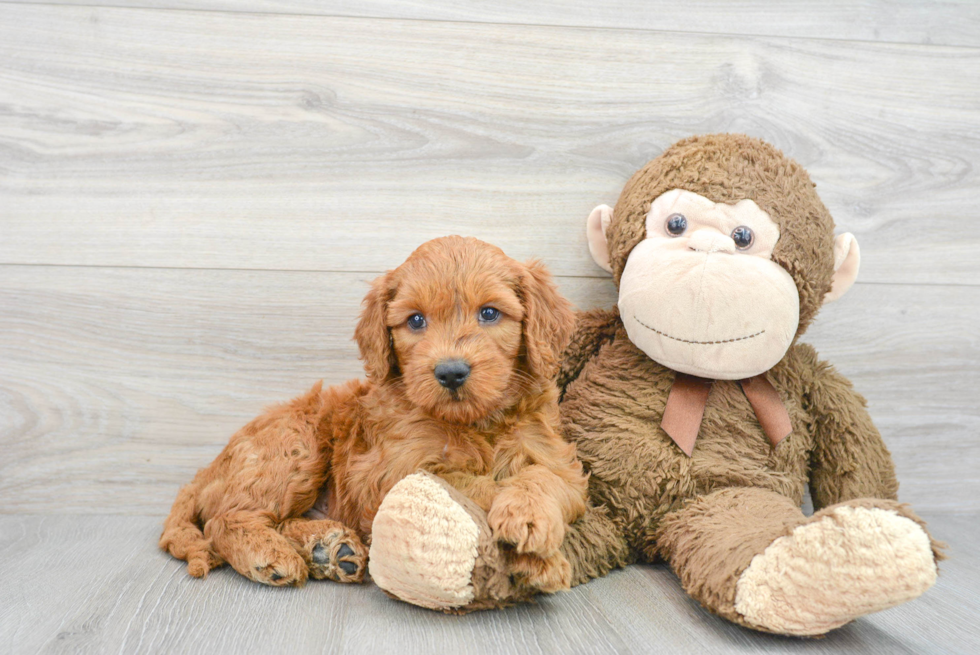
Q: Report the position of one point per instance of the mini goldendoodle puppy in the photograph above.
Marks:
(461, 346)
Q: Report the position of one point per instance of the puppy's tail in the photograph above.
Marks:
(182, 537)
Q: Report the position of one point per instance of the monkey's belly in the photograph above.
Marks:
(639, 473)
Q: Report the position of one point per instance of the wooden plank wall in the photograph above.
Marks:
(194, 194)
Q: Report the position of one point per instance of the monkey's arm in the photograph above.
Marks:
(849, 459)
(592, 329)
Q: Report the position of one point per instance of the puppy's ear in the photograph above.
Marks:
(372, 333)
(548, 320)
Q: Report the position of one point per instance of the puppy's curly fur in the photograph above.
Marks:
(295, 491)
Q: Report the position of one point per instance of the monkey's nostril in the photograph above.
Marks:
(452, 373)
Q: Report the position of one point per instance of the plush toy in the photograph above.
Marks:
(701, 417)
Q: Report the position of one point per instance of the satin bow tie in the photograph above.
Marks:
(689, 394)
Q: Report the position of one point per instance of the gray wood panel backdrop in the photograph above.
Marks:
(195, 193)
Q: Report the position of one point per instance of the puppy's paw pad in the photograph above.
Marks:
(338, 556)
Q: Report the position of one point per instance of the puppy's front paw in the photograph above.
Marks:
(530, 524)
(547, 574)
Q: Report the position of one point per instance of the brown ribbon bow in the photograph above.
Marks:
(689, 394)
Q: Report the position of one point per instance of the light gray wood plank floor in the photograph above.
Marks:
(96, 584)
(195, 193)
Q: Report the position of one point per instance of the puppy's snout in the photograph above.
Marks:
(452, 373)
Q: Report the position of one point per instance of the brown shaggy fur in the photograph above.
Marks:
(295, 491)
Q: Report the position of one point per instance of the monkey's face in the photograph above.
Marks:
(701, 294)
(711, 284)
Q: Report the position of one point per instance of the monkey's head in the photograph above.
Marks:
(723, 253)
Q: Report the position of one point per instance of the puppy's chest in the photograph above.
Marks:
(461, 451)
(430, 446)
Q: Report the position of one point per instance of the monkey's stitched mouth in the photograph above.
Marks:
(700, 343)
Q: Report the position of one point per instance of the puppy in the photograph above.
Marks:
(461, 346)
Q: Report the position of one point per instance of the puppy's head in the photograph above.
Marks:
(466, 329)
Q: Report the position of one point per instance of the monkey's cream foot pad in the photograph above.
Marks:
(432, 546)
(846, 563)
(424, 545)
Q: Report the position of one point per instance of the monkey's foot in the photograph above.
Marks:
(431, 546)
(846, 561)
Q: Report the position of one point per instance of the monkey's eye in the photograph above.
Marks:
(743, 237)
(489, 314)
(676, 224)
(416, 322)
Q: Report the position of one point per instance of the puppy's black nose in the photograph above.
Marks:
(452, 373)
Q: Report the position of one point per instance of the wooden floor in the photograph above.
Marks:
(96, 584)
(195, 193)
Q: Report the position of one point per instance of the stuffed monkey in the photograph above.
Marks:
(701, 417)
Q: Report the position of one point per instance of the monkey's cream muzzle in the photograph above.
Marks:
(696, 301)
(713, 314)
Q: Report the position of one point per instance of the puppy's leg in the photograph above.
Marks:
(270, 471)
(481, 489)
(249, 542)
(331, 550)
(533, 508)
(182, 537)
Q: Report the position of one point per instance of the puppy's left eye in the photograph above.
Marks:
(489, 314)
(416, 322)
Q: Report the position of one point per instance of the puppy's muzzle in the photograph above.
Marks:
(452, 373)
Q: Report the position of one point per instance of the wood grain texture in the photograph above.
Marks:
(954, 22)
(117, 384)
(98, 584)
(192, 204)
(224, 140)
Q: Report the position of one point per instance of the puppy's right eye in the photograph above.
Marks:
(489, 314)
(416, 322)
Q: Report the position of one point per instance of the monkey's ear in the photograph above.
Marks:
(847, 261)
(595, 229)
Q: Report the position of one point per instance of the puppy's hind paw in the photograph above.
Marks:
(288, 569)
(339, 556)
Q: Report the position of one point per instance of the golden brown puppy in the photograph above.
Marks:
(460, 345)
